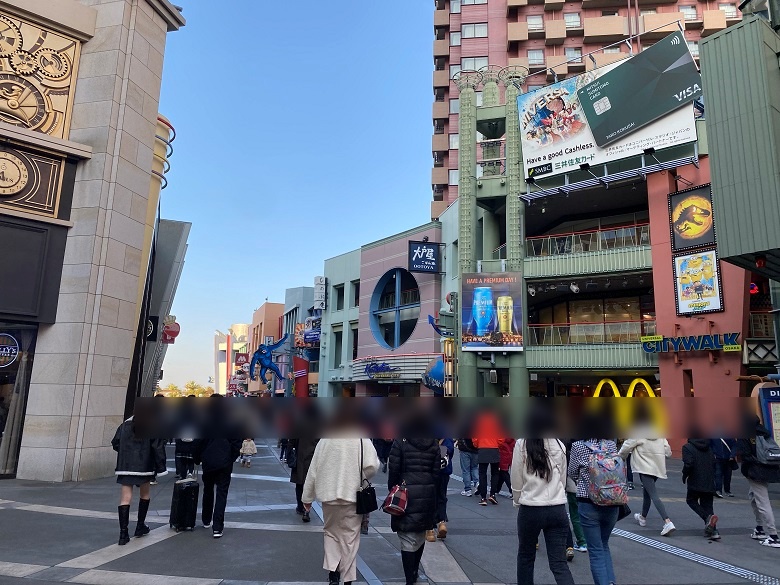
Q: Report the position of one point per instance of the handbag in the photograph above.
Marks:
(365, 497)
(623, 512)
(292, 458)
(396, 501)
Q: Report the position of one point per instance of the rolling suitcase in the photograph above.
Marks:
(184, 505)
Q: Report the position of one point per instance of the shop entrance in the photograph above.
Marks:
(17, 347)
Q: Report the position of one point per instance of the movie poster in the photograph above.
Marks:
(492, 312)
(698, 288)
(690, 218)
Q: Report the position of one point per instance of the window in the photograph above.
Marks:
(572, 20)
(454, 141)
(338, 294)
(454, 39)
(395, 308)
(729, 9)
(535, 22)
(455, 6)
(355, 293)
(689, 12)
(536, 56)
(454, 106)
(648, 11)
(478, 95)
(454, 177)
(693, 47)
(574, 53)
(354, 335)
(473, 31)
(467, 2)
(338, 339)
(611, 50)
(454, 70)
(473, 63)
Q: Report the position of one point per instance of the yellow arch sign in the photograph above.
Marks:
(607, 382)
(644, 384)
(616, 391)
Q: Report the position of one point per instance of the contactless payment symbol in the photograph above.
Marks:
(9, 349)
(602, 105)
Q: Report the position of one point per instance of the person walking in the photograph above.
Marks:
(759, 475)
(597, 521)
(382, 447)
(487, 439)
(334, 476)
(725, 451)
(305, 447)
(415, 462)
(138, 459)
(446, 452)
(648, 458)
(469, 466)
(576, 541)
(699, 475)
(248, 448)
(216, 455)
(538, 478)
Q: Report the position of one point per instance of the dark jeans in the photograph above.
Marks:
(442, 481)
(552, 521)
(298, 495)
(483, 483)
(219, 481)
(723, 473)
(701, 503)
(504, 478)
(597, 524)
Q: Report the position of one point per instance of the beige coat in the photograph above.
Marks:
(648, 456)
(334, 473)
(528, 489)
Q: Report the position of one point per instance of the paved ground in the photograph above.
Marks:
(55, 533)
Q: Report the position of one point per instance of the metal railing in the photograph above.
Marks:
(590, 241)
(590, 333)
(761, 326)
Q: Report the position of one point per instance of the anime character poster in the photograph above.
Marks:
(690, 218)
(698, 287)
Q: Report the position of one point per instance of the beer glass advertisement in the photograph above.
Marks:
(690, 217)
(697, 280)
(492, 312)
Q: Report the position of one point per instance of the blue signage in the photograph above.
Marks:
(425, 257)
(433, 377)
(381, 371)
(658, 343)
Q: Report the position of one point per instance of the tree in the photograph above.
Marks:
(171, 391)
(192, 387)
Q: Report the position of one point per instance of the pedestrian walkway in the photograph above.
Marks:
(55, 533)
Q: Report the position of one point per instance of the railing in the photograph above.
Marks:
(408, 297)
(590, 333)
(690, 15)
(536, 62)
(762, 326)
(535, 26)
(731, 13)
(574, 23)
(590, 241)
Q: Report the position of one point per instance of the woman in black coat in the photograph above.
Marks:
(415, 462)
(304, 448)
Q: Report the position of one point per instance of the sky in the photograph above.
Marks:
(303, 131)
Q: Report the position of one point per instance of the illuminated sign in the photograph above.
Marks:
(9, 350)
(726, 342)
(381, 371)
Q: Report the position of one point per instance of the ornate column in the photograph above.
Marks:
(490, 92)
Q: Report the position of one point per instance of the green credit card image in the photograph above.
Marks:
(642, 89)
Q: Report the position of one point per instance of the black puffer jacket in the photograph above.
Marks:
(415, 461)
(135, 455)
(305, 447)
(746, 450)
(216, 453)
(698, 466)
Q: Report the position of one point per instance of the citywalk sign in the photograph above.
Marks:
(727, 342)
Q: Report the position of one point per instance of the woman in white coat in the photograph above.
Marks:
(333, 479)
(648, 459)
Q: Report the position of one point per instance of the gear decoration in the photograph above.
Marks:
(21, 102)
(23, 63)
(53, 65)
(10, 37)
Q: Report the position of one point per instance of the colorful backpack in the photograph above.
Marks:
(607, 471)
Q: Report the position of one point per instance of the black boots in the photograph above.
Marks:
(417, 557)
(409, 560)
(334, 578)
(142, 529)
(124, 520)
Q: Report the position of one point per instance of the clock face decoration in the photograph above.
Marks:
(13, 174)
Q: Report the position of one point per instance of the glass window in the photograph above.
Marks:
(395, 308)
(454, 141)
(648, 11)
(467, 2)
(338, 292)
(454, 39)
(454, 176)
(612, 50)
(689, 12)
(729, 9)
(454, 70)
(693, 47)
(536, 56)
(454, 106)
(572, 20)
(355, 293)
(574, 53)
(535, 22)
(470, 31)
(610, 12)
(473, 63)
(338, 339)
(455, 6)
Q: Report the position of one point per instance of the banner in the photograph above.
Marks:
(425, 257)
(492, 312)
(556, 135)
(697, 283)
(308, 334)
(690, 218)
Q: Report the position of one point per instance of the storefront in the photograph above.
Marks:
(392, 375)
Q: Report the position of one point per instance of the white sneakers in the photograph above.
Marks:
(466, 493)
(668, 528)
(640, 519)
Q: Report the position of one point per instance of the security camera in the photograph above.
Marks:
(531, 291)
(574, 288)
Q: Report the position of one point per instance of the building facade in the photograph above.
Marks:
(266, 326)
(84, 168)
(226, 347)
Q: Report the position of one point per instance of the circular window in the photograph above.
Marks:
(395, 308)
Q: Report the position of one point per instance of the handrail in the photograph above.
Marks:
(605, 332)
(570, 323)
(605, 229)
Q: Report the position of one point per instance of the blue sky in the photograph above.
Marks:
(304, 130)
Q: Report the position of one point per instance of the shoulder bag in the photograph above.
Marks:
(396, 500)
(365, 501)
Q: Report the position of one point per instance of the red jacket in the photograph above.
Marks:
(505, 450)
(487, 432)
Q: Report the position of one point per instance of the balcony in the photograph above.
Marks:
(441, 143)
(714, 20)
(603, 59)
(692, 19)
(621, 249)
(440, 176)
(605, 29)
(441, 48)
(441, 110)
(517, 32)
(536, 30)
(511, 4)
(554, 64)
(441, 78)
(553, 4)
(590, 333)
(555, 32)
(589, 357)
(518, 62)
(667, 21)
(441, 18)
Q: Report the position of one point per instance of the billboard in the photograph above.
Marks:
(307, 334)
(492, 312)
(697, 283)
(425, 257)
(690, 218)
(556, 135)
